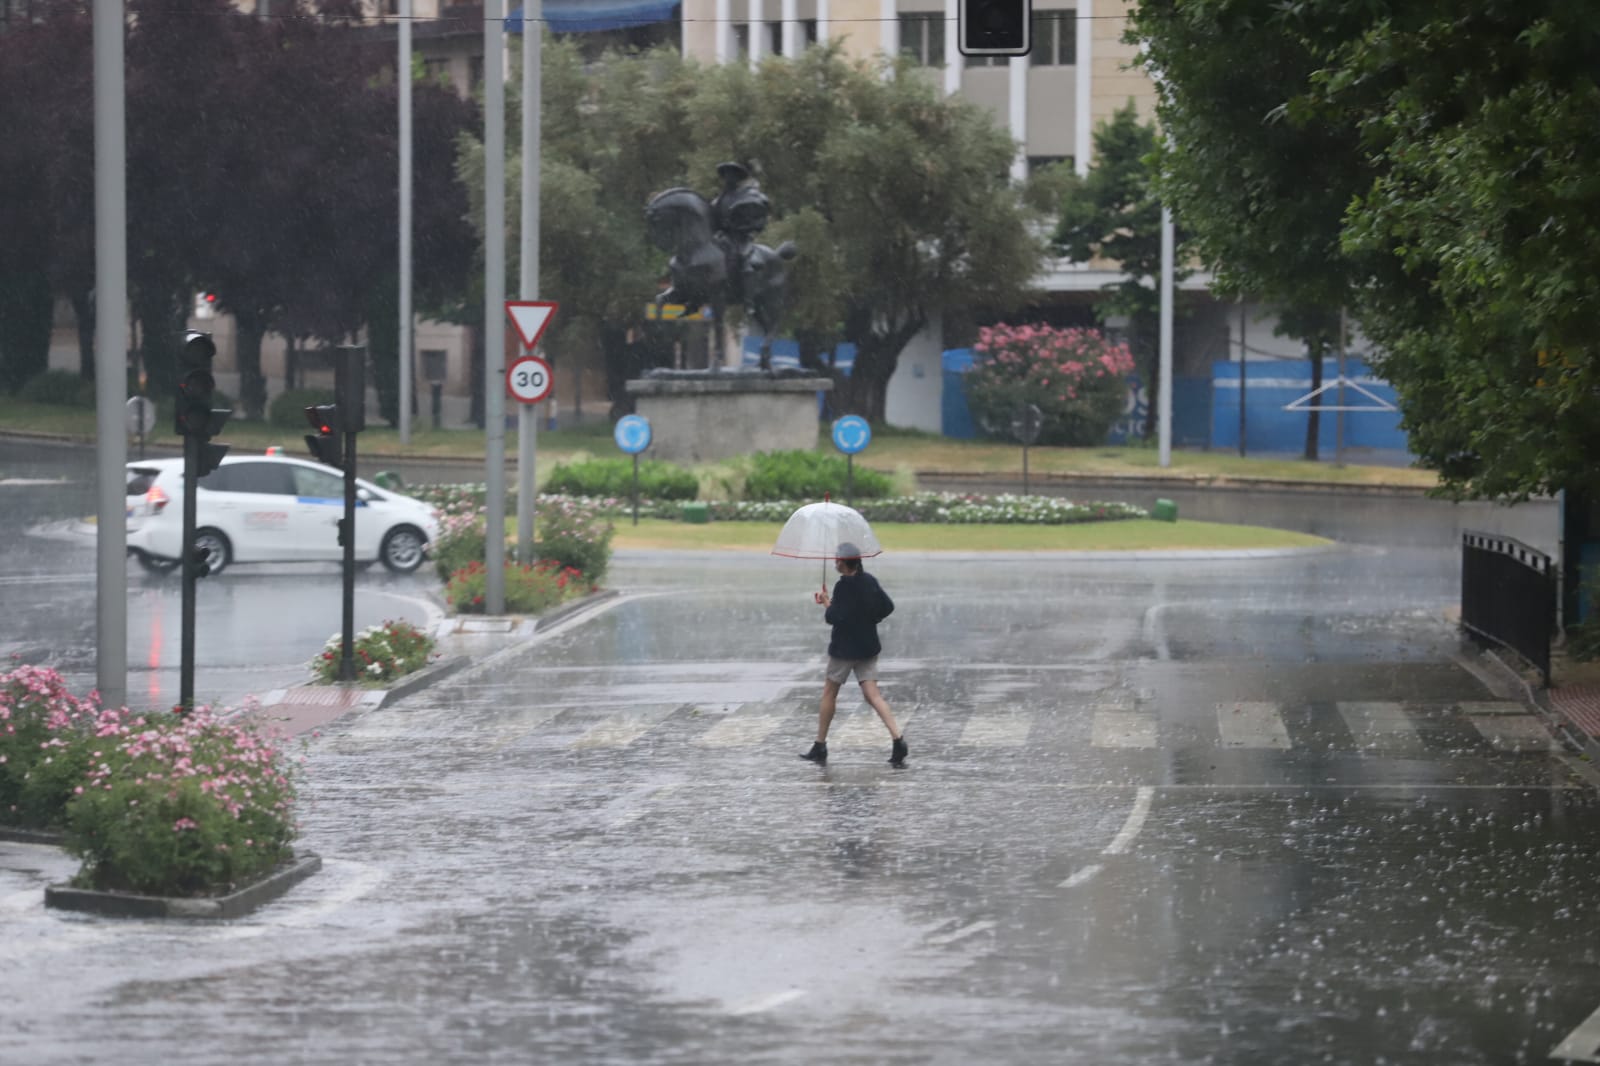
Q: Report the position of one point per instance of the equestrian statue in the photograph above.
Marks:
(715, 257)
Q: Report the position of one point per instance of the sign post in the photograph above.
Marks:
(632, 435)
(528, 380)
(851, 434)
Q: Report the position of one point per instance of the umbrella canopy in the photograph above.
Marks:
(817, 530)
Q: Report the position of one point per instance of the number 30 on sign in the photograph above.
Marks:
(529, 379)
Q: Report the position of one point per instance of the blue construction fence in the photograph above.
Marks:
(1205, 410)
(786, 354)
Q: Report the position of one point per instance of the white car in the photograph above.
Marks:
(271, 509)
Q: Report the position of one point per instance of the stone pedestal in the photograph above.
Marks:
(708, 417)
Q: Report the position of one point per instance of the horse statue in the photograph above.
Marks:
(715, 257)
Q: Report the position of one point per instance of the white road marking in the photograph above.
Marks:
(767, 1003)
(741, 730)
(864, 728)
(1491, 707)
(996, 731)
(630, 815)
(1083, 875)
(623, 729)
(1515, 733)
(1251, 725)
(1583, 1043)
(960, 934)
(1154, 633)
(1135, 822)
(1123, 729)
(1381, 727)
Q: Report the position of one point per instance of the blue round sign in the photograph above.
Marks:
(851, 434)
(632, 433)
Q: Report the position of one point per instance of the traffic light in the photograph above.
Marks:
(995, 27)
(324, 443)
(197, 389)
(210, 457)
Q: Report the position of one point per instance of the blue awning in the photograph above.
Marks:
(588, 16)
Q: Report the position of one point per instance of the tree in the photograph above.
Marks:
(1113, 213)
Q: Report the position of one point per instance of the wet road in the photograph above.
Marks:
(256, 626)
(1220, 812)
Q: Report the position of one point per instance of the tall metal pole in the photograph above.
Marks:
(527, 413)
(1164, 395)
(407, 356)
(110, 354)
(1338, 415)
(1243, 376)
(347, 526)
(494, 298)
(191, 481)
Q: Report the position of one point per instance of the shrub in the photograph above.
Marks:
(461, 541)
(802, 475)
(288, 408)
(574, 533)
(1074, 376)
(614, 477)
(529, 589)
(181, 806)
(60, 388)
(46, 742)
(382, 653)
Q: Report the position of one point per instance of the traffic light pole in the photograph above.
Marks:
(347, 537)
(191, 485)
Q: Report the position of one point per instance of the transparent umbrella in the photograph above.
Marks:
(827, 531)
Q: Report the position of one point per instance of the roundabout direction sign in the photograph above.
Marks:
(632, 433)
(529, 379)
(851, 434)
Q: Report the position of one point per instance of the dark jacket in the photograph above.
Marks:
(859, 604)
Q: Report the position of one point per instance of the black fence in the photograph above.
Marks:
(1508, 595)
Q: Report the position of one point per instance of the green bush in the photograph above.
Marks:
(1076, 377)
(47, 738)
(570, 533)
(288, 408)
(382, 653)
(182, 806)
(528, 589)
(59, 388)
(658, 480)
(801, 475)
(461, 541)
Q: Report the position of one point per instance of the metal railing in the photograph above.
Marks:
(1508, 595)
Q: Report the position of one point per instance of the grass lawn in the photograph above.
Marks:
(891, 450)
(1130, 535)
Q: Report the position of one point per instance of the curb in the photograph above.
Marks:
(16, 834)
(233, 905)
(1541, 704)
(415, 682)
(1191, 481)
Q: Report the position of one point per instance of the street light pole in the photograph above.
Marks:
(494, 296)
(1164, 394)
(527, 413)
(403, 84)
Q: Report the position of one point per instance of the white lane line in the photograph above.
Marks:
(632, 814)
(960, 934)
(741, 730)
(1515, 733)
(865, 729)
(1083, 875)
(1251, 724)
(1381, 727)
(1123, 729)
(1130, 829)
(1154, 633)
(767, 1003)
(996, 731)
(1582, 1044)
(621, 730)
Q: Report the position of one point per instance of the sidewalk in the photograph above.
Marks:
(1574, 695)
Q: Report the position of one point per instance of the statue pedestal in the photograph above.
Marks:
(705, 417)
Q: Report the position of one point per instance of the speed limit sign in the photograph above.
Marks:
(529, 379)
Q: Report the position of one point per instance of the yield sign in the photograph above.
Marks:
(530, 317)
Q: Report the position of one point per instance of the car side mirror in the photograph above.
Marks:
(363, 497)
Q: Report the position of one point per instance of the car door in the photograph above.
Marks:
(319, 504)
(251, 502)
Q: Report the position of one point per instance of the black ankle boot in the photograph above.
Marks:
(898, 753)
(818, 753)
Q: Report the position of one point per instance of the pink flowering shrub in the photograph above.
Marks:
(1074, 376)
(573, 533)
(180, 806)
(381, 653)
(528, 589)
(46, 736)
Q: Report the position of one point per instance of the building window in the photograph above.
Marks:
(741, 40)
(922, 38)
(1055, 39)
(809, 28)
(774, 38)
(1037, 163)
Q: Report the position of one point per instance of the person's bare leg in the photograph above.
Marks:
(830, 701)
(869, 689)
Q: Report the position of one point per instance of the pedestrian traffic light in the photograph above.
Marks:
(211, 456)
(324, 443)
(995, 27)
(197, 389)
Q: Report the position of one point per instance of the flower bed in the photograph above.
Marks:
(382, 653)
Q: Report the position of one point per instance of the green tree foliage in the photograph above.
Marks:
(1431, 167)
(1113, 213)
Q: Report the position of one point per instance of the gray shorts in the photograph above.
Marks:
(839, 669)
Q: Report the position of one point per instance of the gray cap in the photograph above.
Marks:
(848, 551)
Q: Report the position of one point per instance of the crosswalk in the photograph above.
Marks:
(1365, 727)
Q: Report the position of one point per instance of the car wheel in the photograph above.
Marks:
(155, 564)
(219, 553)
(402, 548)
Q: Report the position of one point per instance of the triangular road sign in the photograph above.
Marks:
(530, 317)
